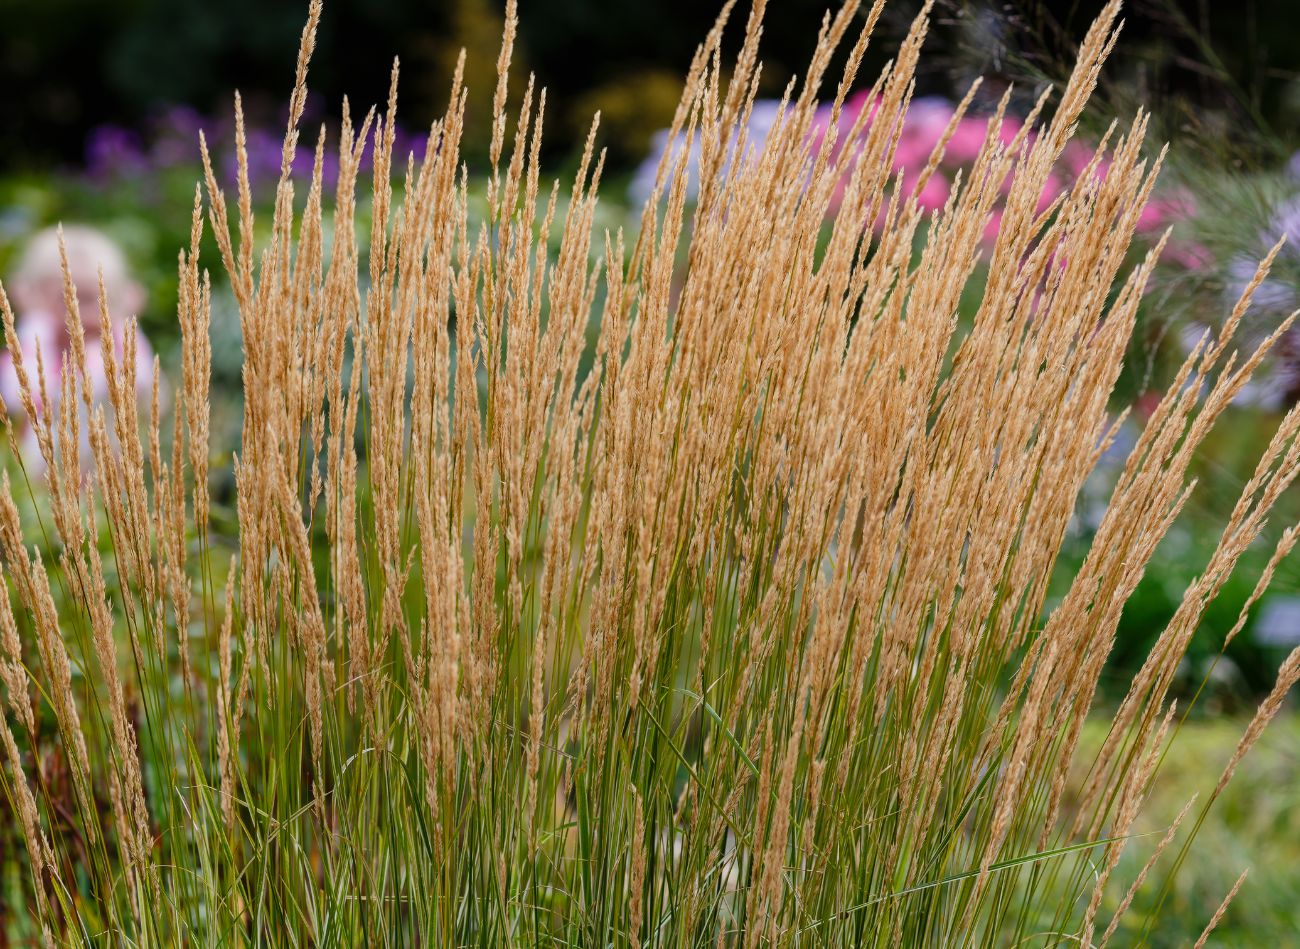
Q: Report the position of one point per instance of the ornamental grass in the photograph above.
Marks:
(679, 588)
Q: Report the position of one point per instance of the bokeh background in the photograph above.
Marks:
(104, 101)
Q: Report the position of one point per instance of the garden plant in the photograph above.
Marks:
(685, 588)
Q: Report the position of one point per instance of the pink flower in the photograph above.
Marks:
(967, 140)
(1076, 157)
(911, 154)
(935, 193)
(1190, 255)
(923, 127)
(924, 124)
(849, 114)
(991, 228)
(1051, 191)
(1165, 209)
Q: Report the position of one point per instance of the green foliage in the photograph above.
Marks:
(687, 593)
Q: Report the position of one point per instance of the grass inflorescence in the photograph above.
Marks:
(678, 589)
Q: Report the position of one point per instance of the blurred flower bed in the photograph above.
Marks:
(138, 187)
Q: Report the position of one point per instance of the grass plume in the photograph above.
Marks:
(683, 589)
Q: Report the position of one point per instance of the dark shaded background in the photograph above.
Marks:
(69, 65)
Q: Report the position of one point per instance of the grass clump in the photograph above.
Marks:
(723, 626)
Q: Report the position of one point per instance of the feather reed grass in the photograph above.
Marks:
(684, 589)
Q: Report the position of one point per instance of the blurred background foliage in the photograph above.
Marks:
(1214, 67)
(107, 101)
(104, 103)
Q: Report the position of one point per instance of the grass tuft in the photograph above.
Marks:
(683, 589)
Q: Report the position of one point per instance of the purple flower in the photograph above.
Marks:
(1277, 384)
(1286, 220)
(112, 151)
(264, 150)
(1275, 294)
(176, 136)
(172, 141)
(406, 143)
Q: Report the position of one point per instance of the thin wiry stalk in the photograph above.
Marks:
(687, 589)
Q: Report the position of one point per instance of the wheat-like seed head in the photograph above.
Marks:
(687, 587)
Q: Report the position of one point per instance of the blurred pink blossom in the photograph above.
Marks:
(923, 127)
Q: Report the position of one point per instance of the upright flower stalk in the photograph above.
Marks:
(679, 588)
